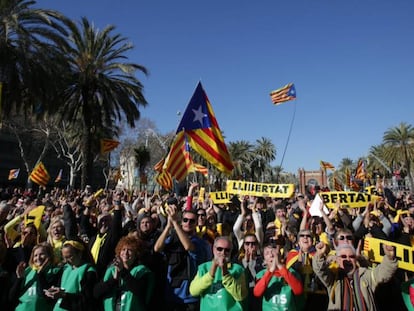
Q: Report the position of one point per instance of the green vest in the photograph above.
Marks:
(126, 299)
(278, 295)
(216, 297)
(32, 297)
(71, 281)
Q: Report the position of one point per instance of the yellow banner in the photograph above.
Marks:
(347, 198)
(374, 252)
(220, 197)
(260, 189)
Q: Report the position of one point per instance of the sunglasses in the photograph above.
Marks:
(249, 243)
(347, 256)
(190, 220)
(347, 237)
(220, 249)
(305, 236)
(201, 215)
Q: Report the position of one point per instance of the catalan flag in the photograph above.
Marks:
(327, 165)
(284, 94)
(338, 185)
(40, 175)
(360, 171)
(14, 173)
(164, 179)
(107, 145)
(59, 176)
(348, 177)
(196, 167)
(203, 132)
(159, 165)
(178, 160)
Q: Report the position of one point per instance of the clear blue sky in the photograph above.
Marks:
(352, 63)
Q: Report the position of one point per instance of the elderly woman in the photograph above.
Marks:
(127, 284)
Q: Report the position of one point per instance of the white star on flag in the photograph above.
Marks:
(198, 115)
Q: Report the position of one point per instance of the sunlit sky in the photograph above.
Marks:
(352, 63)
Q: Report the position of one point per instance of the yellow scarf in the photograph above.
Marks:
(97, 246)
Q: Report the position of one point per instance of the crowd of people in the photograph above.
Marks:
(115, 250)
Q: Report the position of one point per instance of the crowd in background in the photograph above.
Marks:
(117, 250)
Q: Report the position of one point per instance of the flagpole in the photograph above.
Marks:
(287, 142)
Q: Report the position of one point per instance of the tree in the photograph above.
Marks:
(100, 86)
(27, 39)
(241, 152)
(400, 148)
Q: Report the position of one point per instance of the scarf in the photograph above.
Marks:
(352, 295)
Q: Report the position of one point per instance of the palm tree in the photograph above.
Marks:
(399, 143)
(27, 39)
(100, 86)
(265, 152)
(241, 152)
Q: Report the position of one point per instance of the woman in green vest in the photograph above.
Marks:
(28, 288)
(75, 291)
(127, 283)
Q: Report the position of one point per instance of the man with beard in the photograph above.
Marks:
(352, 287)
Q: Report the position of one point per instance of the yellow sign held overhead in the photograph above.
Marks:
(260, 189)
(374, 252)
(348, 198)
(220, 197)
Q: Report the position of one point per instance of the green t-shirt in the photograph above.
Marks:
(278, 295)
(129, 301)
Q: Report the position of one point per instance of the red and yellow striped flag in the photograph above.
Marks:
(196, 167)
(40, 175)
(284, 94)
(107, 145)
(178, 160)
(203, 132)
(348, 177)
(327, 165)
(164, 179)
(338, 185)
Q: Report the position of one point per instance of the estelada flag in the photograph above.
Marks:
(178, 160)
(40, 175)
(14, 173)
(284, 94)
(203, 132)
(107, 145)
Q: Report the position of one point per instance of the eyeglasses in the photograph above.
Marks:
(347, 256)
(305, 236)
(220, 249)
(190, 220)
(249, 243)
(201, 215)
(347, 237)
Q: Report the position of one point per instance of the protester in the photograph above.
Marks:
(184, 251)
(277, 286)
(75, 291)
(220, 283)
(28, 289)
(353, 287)
(127, 283)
